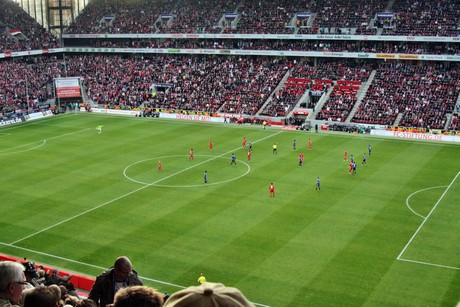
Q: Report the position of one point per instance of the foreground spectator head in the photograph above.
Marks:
(42, 296)
(12, 283)
(208, 295)
(138, 296)
(123, 268)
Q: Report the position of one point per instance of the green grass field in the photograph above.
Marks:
(387, 236)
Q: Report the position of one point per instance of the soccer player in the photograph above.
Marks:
(364, 160)
(271, 188)
(160, 166)
(294, 145)
(99, 128)
(352, 159)
(301, 157)
(318, 185)
(205, 177)
(210, 145)
(249, 155)
(264, 124)
(310, 144)
(369, 149)
(250, 146)
(233, 159)
(244, 142)
(354, 168)
(350, 170)
(190, 156)
(201, 279)
(345, 155)
(275, 145)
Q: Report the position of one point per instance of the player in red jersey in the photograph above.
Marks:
(190, 156)
(310, 144)
(160, 166)
(249, 155)
(350, 170)
(244, 142)
(301, 157)
(271, 188)
(210, 145)
(345, 155)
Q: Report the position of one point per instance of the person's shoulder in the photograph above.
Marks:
(106, 274)
(134, 279)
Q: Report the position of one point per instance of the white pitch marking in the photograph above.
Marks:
(43, 142)
(432, 264)
(124, 195)
(408, 197)
(184, 186)
(426, 218)
(7, 151)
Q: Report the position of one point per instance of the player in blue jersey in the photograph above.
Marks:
(318, 184)
(233, 159)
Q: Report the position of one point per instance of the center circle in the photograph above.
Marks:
(178, 167)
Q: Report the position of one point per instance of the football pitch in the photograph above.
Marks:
(388, 235)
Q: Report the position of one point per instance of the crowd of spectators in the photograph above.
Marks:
(439, 18)
(108, 16)
(340, 103)
(195, 16)
(199, 83)
(20, 32)
(275, 17)
(285, 99)
(24, 84)
(331, 69)
(424, 94)
(345, 14)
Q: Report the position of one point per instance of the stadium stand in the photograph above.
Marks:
(422, 94)
(19, 31)
(243, 85)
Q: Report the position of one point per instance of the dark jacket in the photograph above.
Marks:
(103, 290)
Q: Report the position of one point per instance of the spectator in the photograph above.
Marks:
(208, 295)
(31, 274)
(12, 282)
(42, 296)
(121, 275)
(138, 296)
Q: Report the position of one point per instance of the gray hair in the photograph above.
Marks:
(10, 271)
